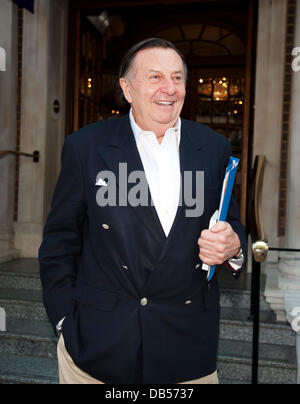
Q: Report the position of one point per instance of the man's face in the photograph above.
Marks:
(155, 88)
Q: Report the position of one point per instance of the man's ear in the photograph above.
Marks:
(125, 85)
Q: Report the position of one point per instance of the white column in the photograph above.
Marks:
(267, 128)
(292, 308)
(8, 36)
(269, 104)
(289, 265)
(43, 81)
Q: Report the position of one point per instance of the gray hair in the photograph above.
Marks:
(149, 43)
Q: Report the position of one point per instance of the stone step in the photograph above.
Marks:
(277, 364)
(34, 339)
(23, 274)
(235, 371)
(30, 345)
(241, 299)
(224, 380)
(20, 281)
(29, 338)
(23, 304)
(18, 369)
(37, 338)
(234, 366)
(236, 326)
(8, 255)
(20, 274)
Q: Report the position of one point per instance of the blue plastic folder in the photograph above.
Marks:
(221, 214)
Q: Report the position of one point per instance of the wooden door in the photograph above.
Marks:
(84, 73)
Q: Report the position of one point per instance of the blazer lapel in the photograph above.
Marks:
(122, 148)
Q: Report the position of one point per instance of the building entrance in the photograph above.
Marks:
(217, 39)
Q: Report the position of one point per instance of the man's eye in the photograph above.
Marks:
(178, 78)
(155, 77)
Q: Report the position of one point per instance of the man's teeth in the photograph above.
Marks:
(164, 102)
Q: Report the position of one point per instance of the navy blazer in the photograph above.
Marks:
(138, 306)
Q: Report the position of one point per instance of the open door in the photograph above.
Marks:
(220, 93)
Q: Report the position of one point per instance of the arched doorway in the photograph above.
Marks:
(216, 38)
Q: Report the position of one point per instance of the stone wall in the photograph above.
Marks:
(8, 41)
(43, 82)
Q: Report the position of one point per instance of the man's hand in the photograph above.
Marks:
(219, 244)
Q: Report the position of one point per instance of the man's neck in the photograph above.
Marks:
(158, 129)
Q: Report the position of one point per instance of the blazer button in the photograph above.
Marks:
(105, 226)
(198, 266)
(125, 267)
(188, 302)
(144, 302)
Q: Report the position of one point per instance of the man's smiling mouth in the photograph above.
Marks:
(164, 102)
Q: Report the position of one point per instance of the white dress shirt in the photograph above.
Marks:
(162, 169)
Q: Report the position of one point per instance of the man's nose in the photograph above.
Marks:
(168, 87)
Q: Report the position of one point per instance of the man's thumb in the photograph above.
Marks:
(218, 227)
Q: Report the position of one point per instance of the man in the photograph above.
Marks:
(129, 290)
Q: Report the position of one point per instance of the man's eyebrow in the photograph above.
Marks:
(159, 71)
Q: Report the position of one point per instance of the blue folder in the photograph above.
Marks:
(225, 199)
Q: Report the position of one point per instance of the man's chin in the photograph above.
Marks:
(167, 120)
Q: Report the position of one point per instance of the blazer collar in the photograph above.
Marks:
(123, 136)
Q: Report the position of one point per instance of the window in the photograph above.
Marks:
(204, 40)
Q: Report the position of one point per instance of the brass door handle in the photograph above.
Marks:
(260, 250)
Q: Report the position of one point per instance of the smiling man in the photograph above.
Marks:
(124, 283)
(155, 88)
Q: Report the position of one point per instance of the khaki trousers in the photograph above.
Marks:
(69, 373)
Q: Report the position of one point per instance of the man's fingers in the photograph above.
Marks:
(212, 238)
(207, 258)
(212, 234)
(215, 247)
(208, 236)
(220, 226)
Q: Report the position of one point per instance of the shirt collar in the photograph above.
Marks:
(137, 130)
